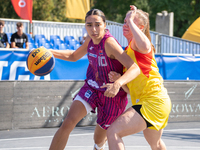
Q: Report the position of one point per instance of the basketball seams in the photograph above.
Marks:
(30, 68)
(27, 60)
(46, 60)
(45, 64)
(35, 59)
(40, 74)
(41, 59)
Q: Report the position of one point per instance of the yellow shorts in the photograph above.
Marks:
(156, 111)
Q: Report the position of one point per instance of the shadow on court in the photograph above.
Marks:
(177, 136)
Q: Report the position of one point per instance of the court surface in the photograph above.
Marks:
(177, 136)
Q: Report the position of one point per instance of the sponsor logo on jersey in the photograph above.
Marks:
(100, 52)
(93, 83)
(92, 55)
(88, 93)
(91, 48)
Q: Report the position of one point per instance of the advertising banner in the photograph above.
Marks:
(173, 67)
(13, 67)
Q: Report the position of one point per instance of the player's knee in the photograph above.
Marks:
(112, 131)
(68, 123)
(99, 141)
(157, 145)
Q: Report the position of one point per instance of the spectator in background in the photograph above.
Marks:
(84, 35)
(3, 36)
(19, 38)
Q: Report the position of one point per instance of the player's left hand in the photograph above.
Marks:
(112, 89)
(133, 7)
(131, 14)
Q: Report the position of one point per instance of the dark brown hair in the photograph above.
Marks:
(19, 24)
(2, 22)
(96, 12)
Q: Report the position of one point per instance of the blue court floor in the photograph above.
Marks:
(177, 136)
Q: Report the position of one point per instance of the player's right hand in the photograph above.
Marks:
(113, 76)
(111, 89)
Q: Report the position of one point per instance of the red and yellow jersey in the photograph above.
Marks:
(147, 89)
(149, 82)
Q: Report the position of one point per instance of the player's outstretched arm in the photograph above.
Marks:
(72, 55)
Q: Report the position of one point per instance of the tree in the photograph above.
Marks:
(51, 10)
(185, 12)
(42, 10)
(115, 10)
(7, 10)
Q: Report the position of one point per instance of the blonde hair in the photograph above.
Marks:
(144, 20)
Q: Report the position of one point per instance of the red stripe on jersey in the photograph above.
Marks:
(144, 62)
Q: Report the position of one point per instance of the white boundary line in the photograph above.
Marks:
(39, 137)
(43, 148)
(21, 148)
(86, 134)
(27, 138)
(172, 130)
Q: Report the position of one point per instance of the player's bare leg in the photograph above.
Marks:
(99, 138)
(76, 113)
(153, 137)
(130, 122)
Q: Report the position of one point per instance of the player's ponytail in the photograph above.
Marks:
(144, 17)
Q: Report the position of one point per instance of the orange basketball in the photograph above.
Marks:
(40, 61)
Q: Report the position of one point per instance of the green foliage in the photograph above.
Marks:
(7, 10)
(115, 10)
(51, 10)
(42, 10)
(185, 11)
(112, 9)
